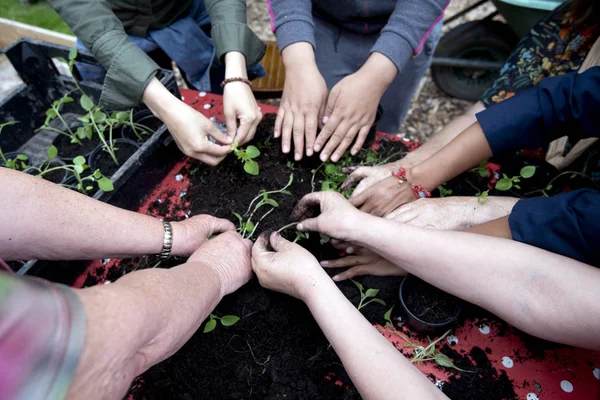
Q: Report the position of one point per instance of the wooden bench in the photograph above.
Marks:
(271, 85)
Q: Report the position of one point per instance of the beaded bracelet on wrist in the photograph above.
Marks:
(236, 79)
(419, 191)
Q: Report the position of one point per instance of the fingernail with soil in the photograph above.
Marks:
(286, 148)
(336, 278)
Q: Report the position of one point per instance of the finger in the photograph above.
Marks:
(298, 137)
(364, 185)
(356, 174)
(351, 261)
(321, 120)
(326, 132)
(242, 131)
(260, 246)
(278, 122)
(400, 210)
(208, 160)
(216, 134)
(216, 150)
(360, 140)
(220, 225)
(359, 200)
(346, 142)
(304, 208)
(254, 126)
(231, 122)
(286, 134)
(278, 243)
(334, 140)
(351, 273)
(311, 132)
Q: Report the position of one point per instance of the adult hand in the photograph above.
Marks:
(191, 233)
(365, 176)
(303, 100)
(239, 103)
(288, 269)
(364, 262)
(229, 256)
(383, 197)
(337, 218)
(351, 108)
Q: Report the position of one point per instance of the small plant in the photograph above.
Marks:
(54, 112)
(367, 297)
(506, 183)
(423, 354)
(247, 157)
(226, 320)
(20, 161)
(481, 169)
(481, 199)
(443, 191)
(299, 235)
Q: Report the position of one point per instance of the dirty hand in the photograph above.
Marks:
(303, 100)
(351, 108)
(383, 197)
(363, 262)
(239, 103)
(191, 233)
(366, 176)
(289, 269)
(229, 256)
(337, 217)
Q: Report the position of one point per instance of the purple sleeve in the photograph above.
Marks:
(292, 22)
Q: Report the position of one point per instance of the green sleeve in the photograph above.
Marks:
(230, 31)
(129, 68)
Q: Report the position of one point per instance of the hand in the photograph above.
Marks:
(289, 269)
(351, 107)
(191, 233)
(229, 255)
(239, 103)
(303, 100)
(190, 129)
(383, 197)
(366, 176)
(364, 262)
(337, 218)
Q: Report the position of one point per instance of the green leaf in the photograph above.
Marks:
(61, 59)
(86, 103)
(22, 157)
(483, 172)
(504, 184)
(52, 152)
(51, 113)
(331, 170)
(81, 132)
(78, 168)
(271, 202)
(443, 360)
(379, 301)
(210, 325)
(121, 116)
(548, 187)
(358, 285)
(528, 171)
(252, 152)
(249, 226)
(89, 187)
(251, 167)
(238, 216)
(388, 314)
(66, 99)
(372, 292)
(228, 320)
(97, 174)
(105, 184)
(79, 160)
(73, 54)
(325, 186)
(99, 117)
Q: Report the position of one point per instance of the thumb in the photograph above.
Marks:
(220, 225)
(278, 243)
(242, 132)
(231, 122)
(215, 133)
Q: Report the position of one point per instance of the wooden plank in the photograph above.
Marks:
(270, 85)
(11, 31)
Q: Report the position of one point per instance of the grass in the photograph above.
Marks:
(40, 14)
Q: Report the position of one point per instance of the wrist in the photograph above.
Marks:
(182, 246)
(159, 100)
(422, 174)
(235, 65)
(318, 290)
(379, 70)
(298, 57)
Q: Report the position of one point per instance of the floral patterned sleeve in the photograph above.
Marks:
(42, 333)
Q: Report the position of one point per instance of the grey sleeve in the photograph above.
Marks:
(407, 29)
(292, 22)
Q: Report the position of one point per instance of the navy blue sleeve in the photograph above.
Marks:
(564, 105)
(567, 224)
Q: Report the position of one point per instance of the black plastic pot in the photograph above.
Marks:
(71, 182)
(58, 176)
(415, 323)
(143, 117)
(125, 147)
(62, 142)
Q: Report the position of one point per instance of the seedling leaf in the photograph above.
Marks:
(78, 168)
(97, 174)
(504, 184)
(22, 157)
(86, 103)
(99, 117)
(371, 292)
(388, 314)
(73, 54)
(79, 160)
(330, 169)
(483, 172)
(443, 360)
(358, 285)
(238, 216)
(249, 226)
(271, 202)
(378, 301)
(210, 326)
(251, 167)
(52, 152)
(228, 320)
(51, 113)
(105, 184)
(528, 171)
(252, 152)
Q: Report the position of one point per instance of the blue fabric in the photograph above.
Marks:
(186, 43)
(566, 105)
(567, 224)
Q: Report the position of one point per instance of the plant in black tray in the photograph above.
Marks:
(226, 320)
(367, 297)
(12, 160)
(247, 156)
(54, 112)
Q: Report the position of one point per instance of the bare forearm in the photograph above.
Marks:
(520, 283)
(159, 100)
(235, 65)
(374, 365)
(42, 220)
(298, 56)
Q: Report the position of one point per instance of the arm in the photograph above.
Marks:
(103, 34)
(374, 365)
(522, 284)
(45, 221)
(146, 316)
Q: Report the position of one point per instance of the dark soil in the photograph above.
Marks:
(68, 150)
(102, 160)
(485, 382)
(428, 303)
(143, 118)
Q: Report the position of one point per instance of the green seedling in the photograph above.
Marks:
(20, 161)
(54, 112)
(299, 235)
(506, 183)
(444, 191)
(226, 320)
(367, 297)
(481, 199)
(550, 184)
(247, 157)
(421, 353)
(481, 169)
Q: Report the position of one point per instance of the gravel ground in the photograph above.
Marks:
(431, 109)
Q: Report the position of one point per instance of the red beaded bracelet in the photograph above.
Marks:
(419, 191)
(400, 173)
(236, 79)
